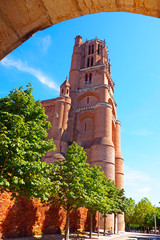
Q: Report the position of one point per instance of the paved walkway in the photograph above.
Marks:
(131, 236)
(121, 236)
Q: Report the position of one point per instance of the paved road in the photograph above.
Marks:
(131, 236)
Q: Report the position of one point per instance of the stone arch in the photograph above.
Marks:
(41, 14)
(84, 115)
(87, 94)
(88, 99)
(86, 129)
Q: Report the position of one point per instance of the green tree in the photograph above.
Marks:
(143, 208)
(69, 175)
(23, 127)
(149, 220)
(129, 212)
(101, 194)
(96, 197)
(116, 200)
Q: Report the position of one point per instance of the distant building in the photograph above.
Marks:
(86, 112)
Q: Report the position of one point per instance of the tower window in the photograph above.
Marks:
(92, 61)
(87, 100)
(89, 50)
(88, 62)
(62, 91)
(98, 49)
(92, 49)
(67, 91)
(90, 78)
(86, 78)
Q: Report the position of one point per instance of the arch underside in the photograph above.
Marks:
(19, 20)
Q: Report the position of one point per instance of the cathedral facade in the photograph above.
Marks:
(86, 112)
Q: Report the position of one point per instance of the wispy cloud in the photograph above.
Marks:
(22, 66)
(135, 177)
(137, 184)
(155, 76)
(44, 43)
(142, 132)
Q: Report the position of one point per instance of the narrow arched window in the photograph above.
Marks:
(92, 49)
(86, 78)
(62, 91)
(89, 50)
(98, 49)
(90, 78)
(88, 62)
(67, 91)
(92, 61)
(87, 100)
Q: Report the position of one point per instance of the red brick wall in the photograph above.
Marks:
(26, 217)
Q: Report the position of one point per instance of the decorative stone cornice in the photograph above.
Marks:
(84, 108)
(93, 67)
(92, 88)
(106, 104)
(93, 107)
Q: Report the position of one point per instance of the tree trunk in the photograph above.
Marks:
(115, 223)
(104, 224)
(91, 226)
(99, 224)
(67, 226)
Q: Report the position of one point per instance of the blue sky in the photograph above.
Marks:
(134, 50)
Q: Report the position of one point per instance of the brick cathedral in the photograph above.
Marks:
(86, 112)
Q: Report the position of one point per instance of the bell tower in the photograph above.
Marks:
(93, 120)
(86, 112)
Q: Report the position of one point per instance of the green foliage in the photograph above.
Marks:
(69, 175)
(79, 185)
(96, 196)
(129, 215)
(143, 208)
(141, 214)
(23, 127)
(149, 219)
(102, 194)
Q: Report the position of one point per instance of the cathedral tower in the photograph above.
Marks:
(86, 112)
(93, 115)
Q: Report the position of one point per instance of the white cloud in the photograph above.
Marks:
(155, 76)
(142, 132)
(145, 190)
(137, 184)
(44, 43)
(22, 66)
(135, 177)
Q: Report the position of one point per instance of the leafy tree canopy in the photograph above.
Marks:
(143, 208)
(69, 175)
(129, 211)
(23, 127)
